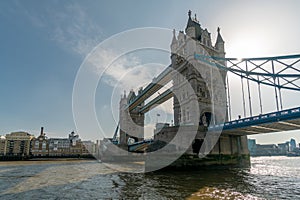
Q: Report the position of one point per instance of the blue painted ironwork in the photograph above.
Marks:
(259, 96)
(243, 95)
(283, 115)
(261, 58)
(280, 79)
(228, 98)
(284, 80)
(280, 72)
(137, 146)
(249, 93)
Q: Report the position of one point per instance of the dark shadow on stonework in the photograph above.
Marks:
(156, 145)
(205, 119)
(197, 145)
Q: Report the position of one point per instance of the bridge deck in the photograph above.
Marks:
(166, 95)
(285, 120)
(157, 83)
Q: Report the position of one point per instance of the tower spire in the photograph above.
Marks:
(174, 36)
(196, 18)
(220, 44)
(174, 43)
(190, 21)
(219, 37)
(174, 40)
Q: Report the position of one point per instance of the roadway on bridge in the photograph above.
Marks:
(280, 121)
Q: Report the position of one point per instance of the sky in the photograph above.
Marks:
(45, 43)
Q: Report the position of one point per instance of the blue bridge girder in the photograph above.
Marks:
(283, 78)
(268, 78)
(284, 120)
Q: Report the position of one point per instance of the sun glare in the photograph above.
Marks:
(246, 47)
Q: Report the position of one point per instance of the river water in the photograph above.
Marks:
(268, 178)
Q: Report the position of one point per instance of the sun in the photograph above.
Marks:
(245, 47)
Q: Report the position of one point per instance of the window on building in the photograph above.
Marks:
(183, 117)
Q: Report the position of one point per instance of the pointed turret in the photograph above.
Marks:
(131, 96)
(220, 42)
(220, 47)
(190, 29)
(174, 40)
(174, 44)
(190, 21)
(219, 38)
(193, 28)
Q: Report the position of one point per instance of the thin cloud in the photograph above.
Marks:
(79, 34)
(68, 25)
(126, 72)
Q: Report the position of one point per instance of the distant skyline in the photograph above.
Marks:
(289, 140)
(44, 43)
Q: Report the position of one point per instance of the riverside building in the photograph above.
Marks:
(18, 144)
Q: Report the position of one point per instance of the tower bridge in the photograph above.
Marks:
(199, 73)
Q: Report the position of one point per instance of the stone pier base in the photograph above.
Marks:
(230, 150)
(194, 162)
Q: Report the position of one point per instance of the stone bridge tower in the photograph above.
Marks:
(209, 87)
(183, 47)
(131, 122)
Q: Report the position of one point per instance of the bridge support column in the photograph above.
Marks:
(230, 150)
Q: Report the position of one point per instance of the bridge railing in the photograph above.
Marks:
(260, 119)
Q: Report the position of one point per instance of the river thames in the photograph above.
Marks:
(268, 178)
